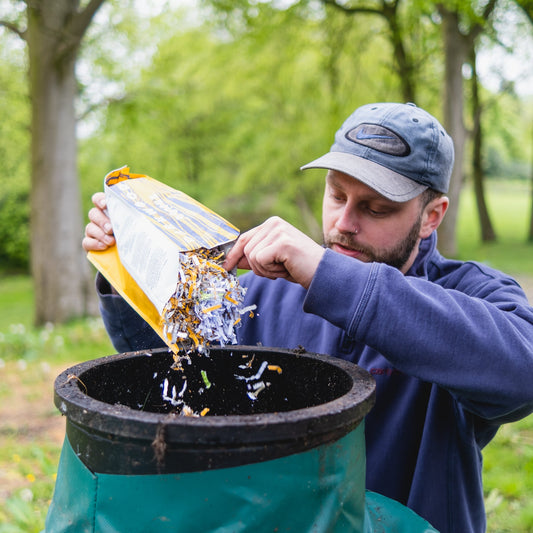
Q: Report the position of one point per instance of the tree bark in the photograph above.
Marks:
(527, 7)
(60, 270)
(487, 230)
(456, 53)
(457, 48)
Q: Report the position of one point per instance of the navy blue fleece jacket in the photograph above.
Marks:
(450, 345)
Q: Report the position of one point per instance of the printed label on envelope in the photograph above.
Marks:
(159, 221)
(154, 225)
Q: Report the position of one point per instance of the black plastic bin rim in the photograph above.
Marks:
(336, 417)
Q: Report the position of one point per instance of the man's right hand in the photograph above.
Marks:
(276, 249)
(98, 232)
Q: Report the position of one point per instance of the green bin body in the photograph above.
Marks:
(291, 458)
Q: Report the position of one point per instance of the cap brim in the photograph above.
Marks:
(386, 182)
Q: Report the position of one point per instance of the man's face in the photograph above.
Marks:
(387, 232)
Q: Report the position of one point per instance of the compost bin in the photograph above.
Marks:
(273, 442)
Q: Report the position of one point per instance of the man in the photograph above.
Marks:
(450, 343)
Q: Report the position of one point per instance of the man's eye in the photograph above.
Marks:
(376, 212)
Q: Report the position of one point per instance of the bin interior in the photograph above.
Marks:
(227, 382)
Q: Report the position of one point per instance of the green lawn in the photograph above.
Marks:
(509, 205)
(31, 358)
(16, 301)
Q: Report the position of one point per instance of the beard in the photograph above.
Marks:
(395, 257)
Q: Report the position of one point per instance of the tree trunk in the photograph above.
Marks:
(527, 7)
(60, 271)
(487, 230)
(404, 65)
(456, 53)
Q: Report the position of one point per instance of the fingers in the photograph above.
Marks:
(96, 239)
(264, 249)
(98, 232)
(254, 251)
(99, 200)
(275, 249)
(235, 257)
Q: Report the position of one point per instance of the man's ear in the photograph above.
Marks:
(432, 216)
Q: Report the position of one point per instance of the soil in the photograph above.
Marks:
(27, 416)
(33, 416)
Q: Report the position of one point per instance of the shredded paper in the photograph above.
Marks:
(167, 264)
(207, 305)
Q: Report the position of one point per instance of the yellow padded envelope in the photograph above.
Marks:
(153, 224)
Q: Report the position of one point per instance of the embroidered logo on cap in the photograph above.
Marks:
(379, 138)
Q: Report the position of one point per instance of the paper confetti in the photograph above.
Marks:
(206, 305)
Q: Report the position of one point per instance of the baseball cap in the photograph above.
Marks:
(399, 150)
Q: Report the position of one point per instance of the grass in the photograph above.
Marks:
(16, 298)
(508, 478)
(509, 205)
(31, 429)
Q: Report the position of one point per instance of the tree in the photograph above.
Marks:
(404, 62)
(487, 229)
(15, 166)
(53, 34)
(527, 7)
(233, 142)
(460, 30)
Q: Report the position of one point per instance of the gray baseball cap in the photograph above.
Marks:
(399, 150)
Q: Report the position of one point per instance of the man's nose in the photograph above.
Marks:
(347, 222)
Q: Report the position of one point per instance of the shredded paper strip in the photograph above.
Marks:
(207, 305)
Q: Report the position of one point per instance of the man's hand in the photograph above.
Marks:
(98, 232)
(275, 249)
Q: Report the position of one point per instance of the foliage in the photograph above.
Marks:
(28, 345)
(227, 106)
(14, 227)
(232, 122)
(508, 136)
(14, 157)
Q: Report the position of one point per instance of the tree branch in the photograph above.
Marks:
(349, 10)
(527, 8)
(80, 22)
(14, 28)
(75, 29)
(478, 28)
(102, 103)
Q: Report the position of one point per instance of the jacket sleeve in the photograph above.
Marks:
(470, 332)
(126, 329)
